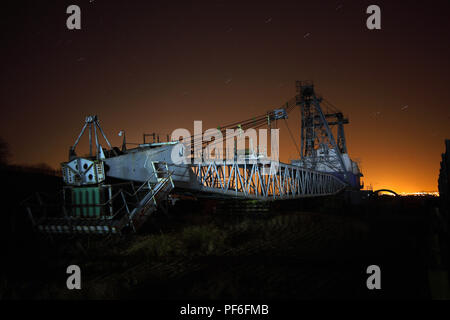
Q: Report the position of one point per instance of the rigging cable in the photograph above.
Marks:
(292, 136)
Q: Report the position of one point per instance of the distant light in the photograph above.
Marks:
(421, 193)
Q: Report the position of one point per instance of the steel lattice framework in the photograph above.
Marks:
(264, 180)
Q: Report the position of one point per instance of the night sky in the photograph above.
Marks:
(154, 66)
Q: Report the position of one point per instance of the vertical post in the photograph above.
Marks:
(90, 139)
(96, 141)
(124, 142)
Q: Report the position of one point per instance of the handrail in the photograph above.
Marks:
(148, 197)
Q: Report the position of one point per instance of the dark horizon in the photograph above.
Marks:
(156, 66)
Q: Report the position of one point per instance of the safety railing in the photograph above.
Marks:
(130, 203)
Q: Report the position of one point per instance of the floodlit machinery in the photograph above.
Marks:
(112, 190)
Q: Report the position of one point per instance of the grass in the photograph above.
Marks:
(192, 240)
(212, 239)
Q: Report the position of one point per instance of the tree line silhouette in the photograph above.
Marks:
(5, 156)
